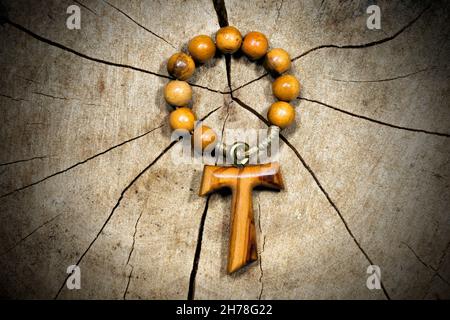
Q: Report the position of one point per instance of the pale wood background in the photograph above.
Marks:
(87, 178)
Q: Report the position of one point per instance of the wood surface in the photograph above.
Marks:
(89, 175)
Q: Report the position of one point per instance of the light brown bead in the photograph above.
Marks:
(178, 93)
(202, 48)
(182, 118)
(228, 39)
(181, 66)
(204, 137)
(255, 45)
(281, 114)
(286, 87)
(278, 60)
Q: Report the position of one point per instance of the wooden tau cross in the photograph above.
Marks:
(241, 181)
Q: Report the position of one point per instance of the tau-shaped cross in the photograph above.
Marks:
(241, 181)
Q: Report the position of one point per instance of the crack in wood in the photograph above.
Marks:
(22, 160)
(198, 249)
(131, 252)
(79, 163)
(219, 7)
(139, 25)
(278, 8)
(99, 60)
(367, 44)
(13, 98)
(221, 11)
(29, 235)
(261, 275)
(319, 184)
(347, 46)
(426, 265)
(403, 76)
(447, 135)
(85, 6)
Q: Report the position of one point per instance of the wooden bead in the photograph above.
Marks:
(181, 66)
(286, 87)
(278, 60)
(178, 93)
(228, 39)
(182, 118)
(281, 114)
(202, 48)
(255, 45)
(203, 137)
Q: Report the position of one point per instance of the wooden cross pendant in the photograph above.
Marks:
(241, 181)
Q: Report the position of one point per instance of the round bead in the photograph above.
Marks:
(286, 87)
(255, 45)
(178, 93)
(228, 39)
(281, 114)
(202, 48)
(203, 137)
(278, 60)
(182, 118)
(181, 66)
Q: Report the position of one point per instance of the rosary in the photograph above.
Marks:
(241, 178)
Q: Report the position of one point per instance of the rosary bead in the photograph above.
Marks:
(203, 137)
(281, 114)
(286, 87)
(228, 39)
(181, 66)
(182, 118)
(255, 45)
(178, 93)
(278, 60)
(202, 48)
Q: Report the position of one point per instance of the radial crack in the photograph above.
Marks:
(29, 235)
(84, 6)
(79, 163)
(12, 98)
(382, 80)
(261, 252)
(22, 160)
(98, 60)
(426, 265)
(221, 10)
(79, 54)
(347, 46)
(131, 252)
(222, 17)
(138, 24)
(367, 44)
(319, 184)
(278, 8)
(122, 194)
(49, 95)
(198, 249)
(374, 120)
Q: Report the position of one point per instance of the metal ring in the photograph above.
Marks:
(238, 151)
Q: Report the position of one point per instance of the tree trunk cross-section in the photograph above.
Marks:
(87, 170)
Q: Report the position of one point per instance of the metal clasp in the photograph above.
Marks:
(238, 151)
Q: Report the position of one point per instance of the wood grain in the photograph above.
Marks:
(241, 181)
